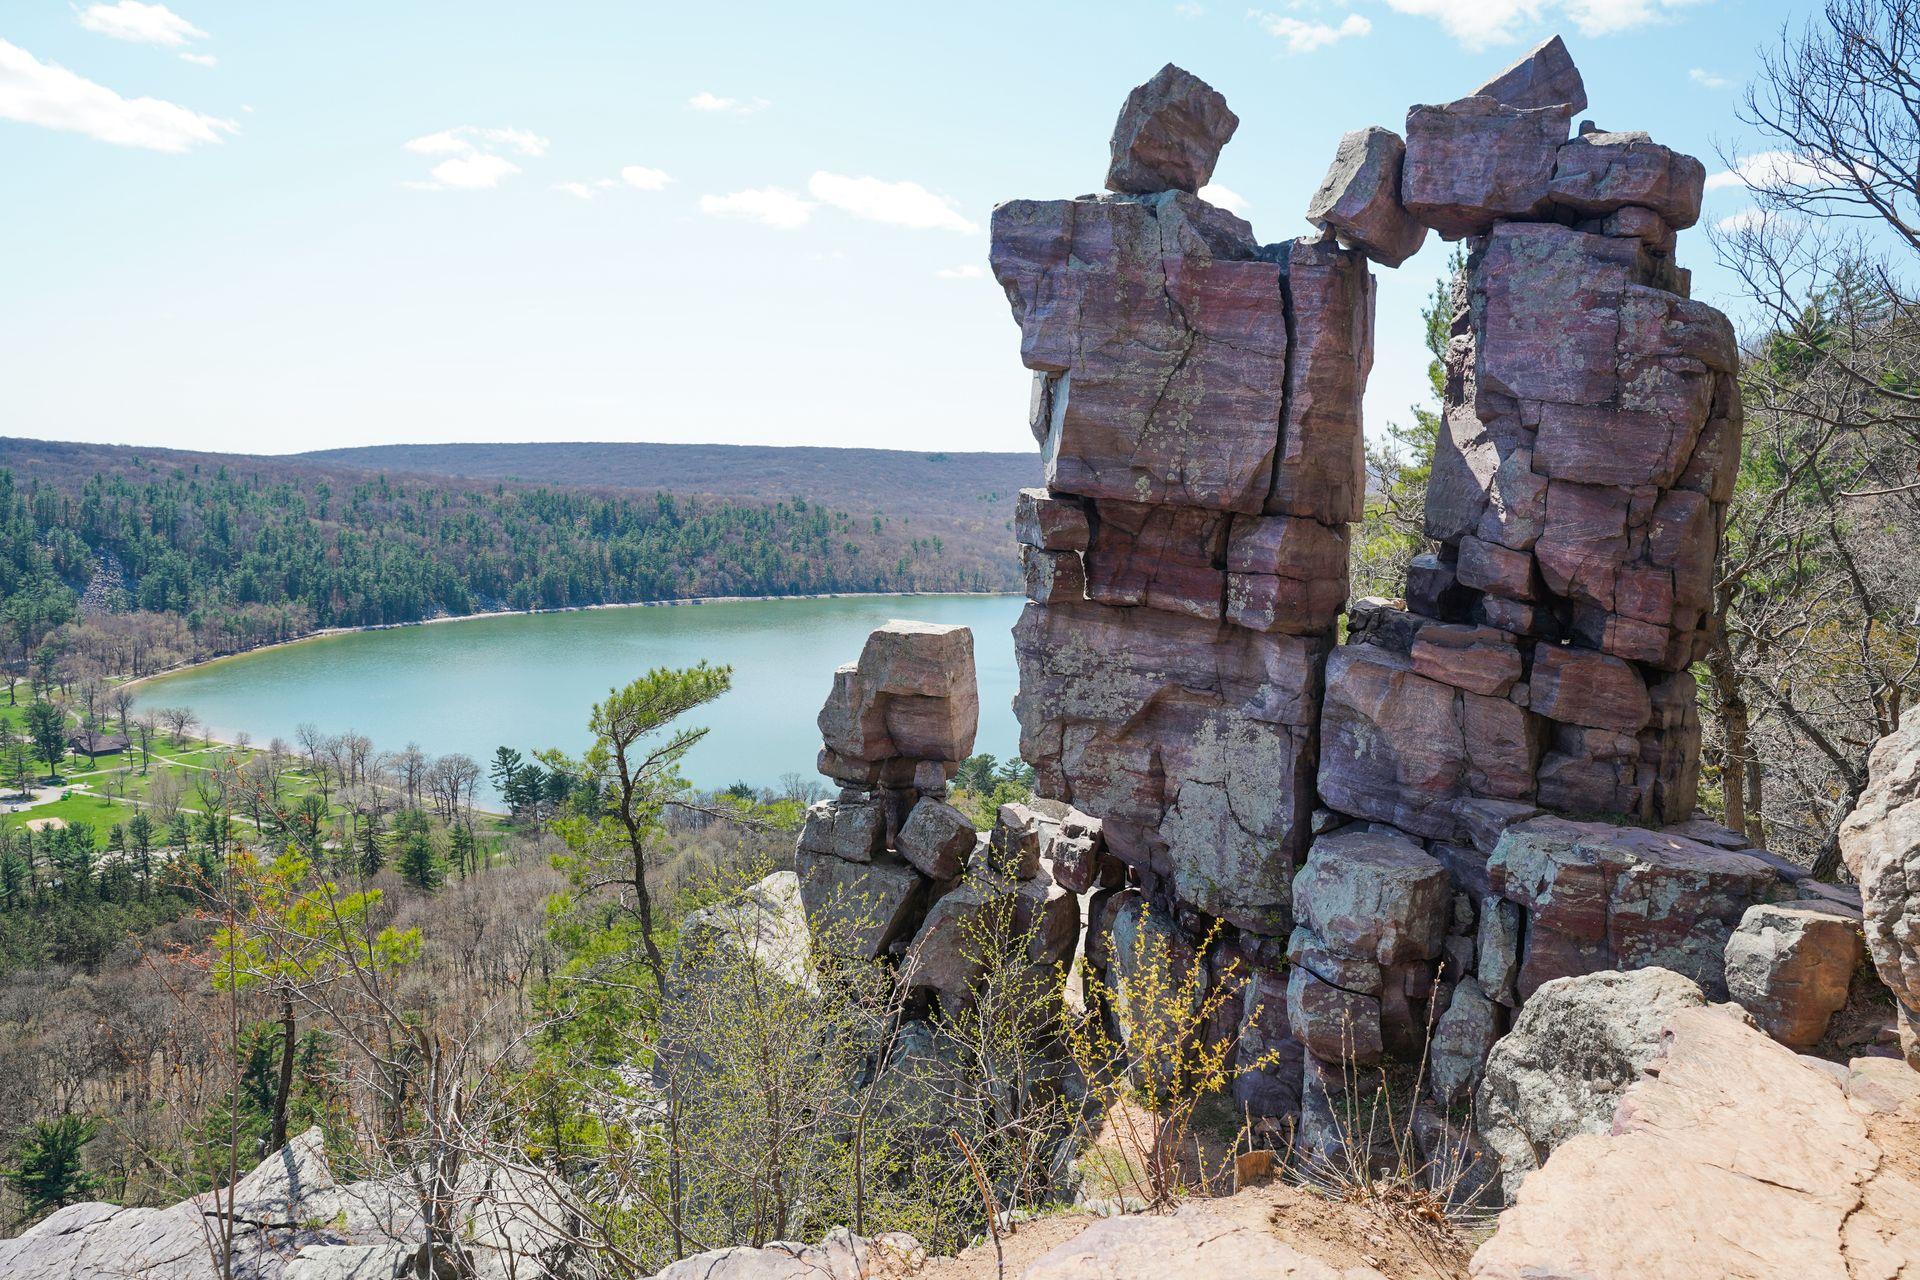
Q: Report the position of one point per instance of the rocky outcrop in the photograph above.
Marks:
(291, 1221)
(1412, 811)
(1729, 1157)
(1790, 965)
(1881, 845)
(1575, 1047)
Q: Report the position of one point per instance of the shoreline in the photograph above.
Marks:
(679, 602)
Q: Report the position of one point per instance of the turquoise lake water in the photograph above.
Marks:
(527, 681)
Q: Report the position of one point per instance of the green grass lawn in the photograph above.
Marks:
(100, 811)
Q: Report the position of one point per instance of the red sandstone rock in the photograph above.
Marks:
(1476, 161)
(1791, 965)
(1285, 574)
(1191, 742)
(1599, 173)
(1049, 521)
(937, 839)
(1543, 77)
(1053, 577)
(1478, 659)
(1169, 340)
(1881, 844)
(1163, 557)
(1578, 686)
(1321, 469)
(1359, 199)
(1169, 134)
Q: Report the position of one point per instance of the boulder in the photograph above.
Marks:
(1880, 842)
(855, 830)
(1359, 199)
(1543, 77)
(1285, 573)
(859, 908)
(1790, 965)
(1734, 1158)
(1162, 557)
(1374, 895)
(1599, 896)
(1053, 577)
(1332, 1023)
(1477, 161)
(1169, 134)
(1597, 174)
(1478, 659)
(1579, 686)
(1497, 951)
(1576, 1046)
(1013, 847)
(1399, 748)
(922, 675)
(936, 838)
(766, 922)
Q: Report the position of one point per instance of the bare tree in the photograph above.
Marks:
(1820, 587)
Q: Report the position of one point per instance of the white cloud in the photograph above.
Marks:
(900, 204)
(704, 101)
(579, 190)
(1226, 197)
(1305, 37)
(200, 59)
(140, 23)
(1707, 79)
(965, 272)
(1607, 17)
(1189, 10)
(474, 161)
(480, 172)
(645, 179)
(1475, 24)
(49, 95)
(468, 140)
(1480, 24)
(1770, 170)
(769, 206)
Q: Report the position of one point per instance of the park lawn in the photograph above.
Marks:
(100, 811)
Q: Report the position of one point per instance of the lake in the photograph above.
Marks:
(527, 681)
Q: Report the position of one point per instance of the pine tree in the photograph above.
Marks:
(49, 1168)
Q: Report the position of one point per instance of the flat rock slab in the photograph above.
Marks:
(1734, 1158)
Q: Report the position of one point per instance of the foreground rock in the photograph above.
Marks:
(841, 1256)
(1578, 1043)
(1881, 845)
(1191, 1244)
(1731, 1158)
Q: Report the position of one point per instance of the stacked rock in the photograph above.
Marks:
(1197, 403)
(889, 868)
(895, 728)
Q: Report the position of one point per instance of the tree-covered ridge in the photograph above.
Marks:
(263, 551)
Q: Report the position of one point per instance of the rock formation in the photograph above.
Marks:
(1489, 785)
(1881, 845)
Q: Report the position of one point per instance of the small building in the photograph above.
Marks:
(94, 743)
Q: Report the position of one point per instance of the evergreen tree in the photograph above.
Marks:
(49, 1169)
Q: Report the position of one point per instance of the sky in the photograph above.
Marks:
(268, 227)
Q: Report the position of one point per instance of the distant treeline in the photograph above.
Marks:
(246, 555)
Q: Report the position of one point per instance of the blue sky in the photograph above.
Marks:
(269, 227)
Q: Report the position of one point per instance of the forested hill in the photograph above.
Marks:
(969, 489)
(246, 549)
